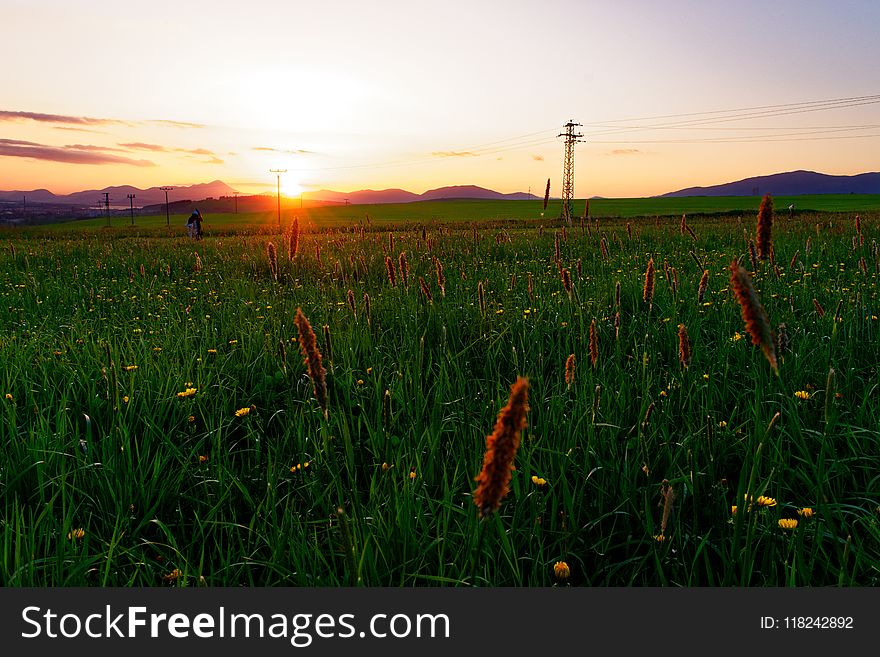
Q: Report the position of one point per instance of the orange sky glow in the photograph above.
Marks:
(356, 95)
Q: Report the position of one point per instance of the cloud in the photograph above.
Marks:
(626, 151)
(89, 147)
(141, 146)
(177, 124)
(77, 154)
(538, 158)
(67, 127)
(454, 154)
(269, 149)
(158, 148)
(6, 115)
(214, 160)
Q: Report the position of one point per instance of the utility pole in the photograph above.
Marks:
(167, 213)
(107, 207)
(278, 173)
(571, 138)
(131, 198)
(235, 196)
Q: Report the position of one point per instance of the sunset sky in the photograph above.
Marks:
(361, 94)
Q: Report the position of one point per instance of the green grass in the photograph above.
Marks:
(90, 442)
(501, 212)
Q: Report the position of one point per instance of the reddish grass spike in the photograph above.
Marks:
(389, 267)
(704, 283)
(648, 291)
(684, 346)
(594, 344)
(493, 482)
(765, 226)
(569, 371)
(308, 345)
(756, 320)
(547, 194)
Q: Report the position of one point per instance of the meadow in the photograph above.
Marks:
(160, 427)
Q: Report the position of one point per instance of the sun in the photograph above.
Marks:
(290, 188)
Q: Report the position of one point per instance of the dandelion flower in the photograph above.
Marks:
(561, 571)
(241, 412)
(203, 458)
(806, 512)
(189, 392)
(788, 523)
(539, 481)
(802, 394)
(76, 534)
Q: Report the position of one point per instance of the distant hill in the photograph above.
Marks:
(792, 183)
(119, 195)
(367, 196)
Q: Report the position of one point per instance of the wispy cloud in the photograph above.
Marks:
(538, 158)
(626, 151)
(90, 147)
(6, 115)
(75, 154)
(159, 148)
(72, 129)
(9, 115)
(177, 124)
(141, 146)
(269, 149)
(454, 154)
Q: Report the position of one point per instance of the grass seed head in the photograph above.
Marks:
(493, 482)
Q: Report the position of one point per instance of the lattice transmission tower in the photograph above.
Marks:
(571, 138)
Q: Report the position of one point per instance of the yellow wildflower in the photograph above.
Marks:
(561, 571)
(806, 512)
(203, 458)
(77, 533)
(125, 399)
(802, 394)
(241, 412)
(540, 482)
(211, 352)
(130, 368)
(9, 396)
(787, 523)
(189, 392)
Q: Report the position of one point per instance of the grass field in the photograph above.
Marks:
(500, 212)
(110, 476)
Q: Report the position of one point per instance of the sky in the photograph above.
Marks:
(349, 94)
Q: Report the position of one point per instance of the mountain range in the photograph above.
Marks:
(119, 195)
(366, 196)
(791, 183)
